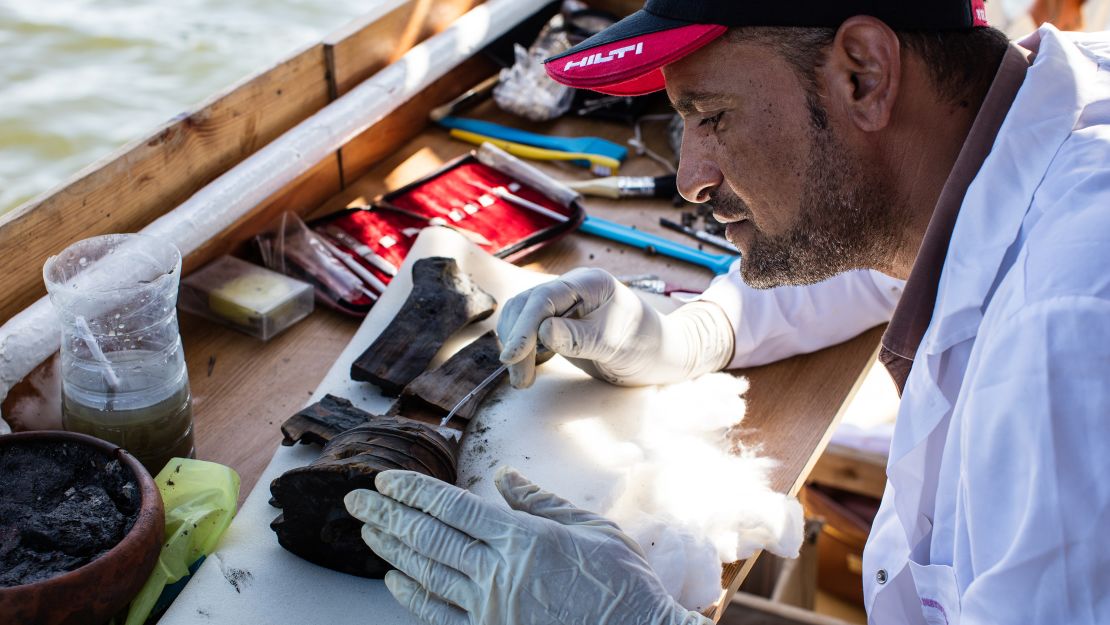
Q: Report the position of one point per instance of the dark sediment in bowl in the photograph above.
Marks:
(62, 505)
(112, 573)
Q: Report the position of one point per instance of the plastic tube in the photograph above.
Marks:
(30, 337)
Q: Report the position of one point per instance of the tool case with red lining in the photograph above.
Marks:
(458, 195)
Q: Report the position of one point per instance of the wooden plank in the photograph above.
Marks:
(145, 179)
(371, 42)
(383, 138)
(313, 188)
(806, 418)
(851, 470)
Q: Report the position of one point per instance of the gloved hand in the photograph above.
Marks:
(614, 335)
(465, 561)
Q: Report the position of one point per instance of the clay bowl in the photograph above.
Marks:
(95, 592)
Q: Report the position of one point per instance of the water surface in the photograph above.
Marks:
(80, 78)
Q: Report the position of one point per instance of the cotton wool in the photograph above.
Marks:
(658, 461)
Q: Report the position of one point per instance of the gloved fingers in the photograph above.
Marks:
(521, 494)
(574, 338)
(510, 312)
(460, 509)
(522, 374)
(425, 534)
(438, 578)
(423, 604)
(518, 325)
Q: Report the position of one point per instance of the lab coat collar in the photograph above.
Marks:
(914, 313)
(1040, 120)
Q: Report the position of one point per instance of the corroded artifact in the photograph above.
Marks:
(315, 525)
(322, 421)
(442, 388)
(443, 300)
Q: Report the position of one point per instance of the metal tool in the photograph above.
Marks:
(343, 238)
(718, 263)
(540, 349)
(512, 198)
(702, 236)
(474, 237)
(651, 283)
(352, 264)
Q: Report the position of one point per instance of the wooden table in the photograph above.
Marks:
(244, 389)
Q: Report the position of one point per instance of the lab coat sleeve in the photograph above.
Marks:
(773, 324)
(1035, 492)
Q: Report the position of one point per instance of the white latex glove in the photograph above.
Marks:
(614, 335)
(465, 561)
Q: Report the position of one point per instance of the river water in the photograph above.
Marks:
(80, 78)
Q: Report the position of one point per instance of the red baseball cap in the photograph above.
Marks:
(627, 58)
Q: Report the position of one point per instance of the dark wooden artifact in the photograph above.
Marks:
(442, 388)
(443, 300)
(314, 523)
(322, 421)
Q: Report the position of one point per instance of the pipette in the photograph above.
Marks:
(541, 349)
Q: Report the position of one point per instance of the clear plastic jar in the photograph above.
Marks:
(123, 368)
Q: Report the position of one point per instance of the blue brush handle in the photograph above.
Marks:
(587, 145)
(718, 263)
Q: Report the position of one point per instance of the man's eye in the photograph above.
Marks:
(712, 121)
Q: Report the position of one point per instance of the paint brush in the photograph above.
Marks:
(617, 187)
(470, 98)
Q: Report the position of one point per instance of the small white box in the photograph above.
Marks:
(253, 299)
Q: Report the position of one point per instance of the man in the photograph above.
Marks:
(849, 145)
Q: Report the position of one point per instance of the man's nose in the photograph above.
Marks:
(698, 173)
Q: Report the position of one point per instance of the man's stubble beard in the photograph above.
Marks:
(848, 219)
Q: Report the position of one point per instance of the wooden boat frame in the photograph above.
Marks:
(151, 176)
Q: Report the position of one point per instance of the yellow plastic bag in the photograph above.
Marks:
(199, 498)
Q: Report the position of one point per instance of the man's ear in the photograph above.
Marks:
(863, 72)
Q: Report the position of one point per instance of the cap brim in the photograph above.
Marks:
(627, 58)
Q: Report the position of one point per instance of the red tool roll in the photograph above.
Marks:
(463, 195)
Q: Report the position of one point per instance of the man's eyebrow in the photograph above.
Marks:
(687, 103)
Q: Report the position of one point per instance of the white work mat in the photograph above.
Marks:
(251, 579)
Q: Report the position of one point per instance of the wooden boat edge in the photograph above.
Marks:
(148, 177)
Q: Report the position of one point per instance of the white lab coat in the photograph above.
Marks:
(997, 505)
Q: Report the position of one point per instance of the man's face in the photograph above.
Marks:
(760, 148)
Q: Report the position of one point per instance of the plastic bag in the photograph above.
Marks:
(292, 248)
(525, 88)
(199, 498)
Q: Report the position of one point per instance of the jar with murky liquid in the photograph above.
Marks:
(123, 368)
